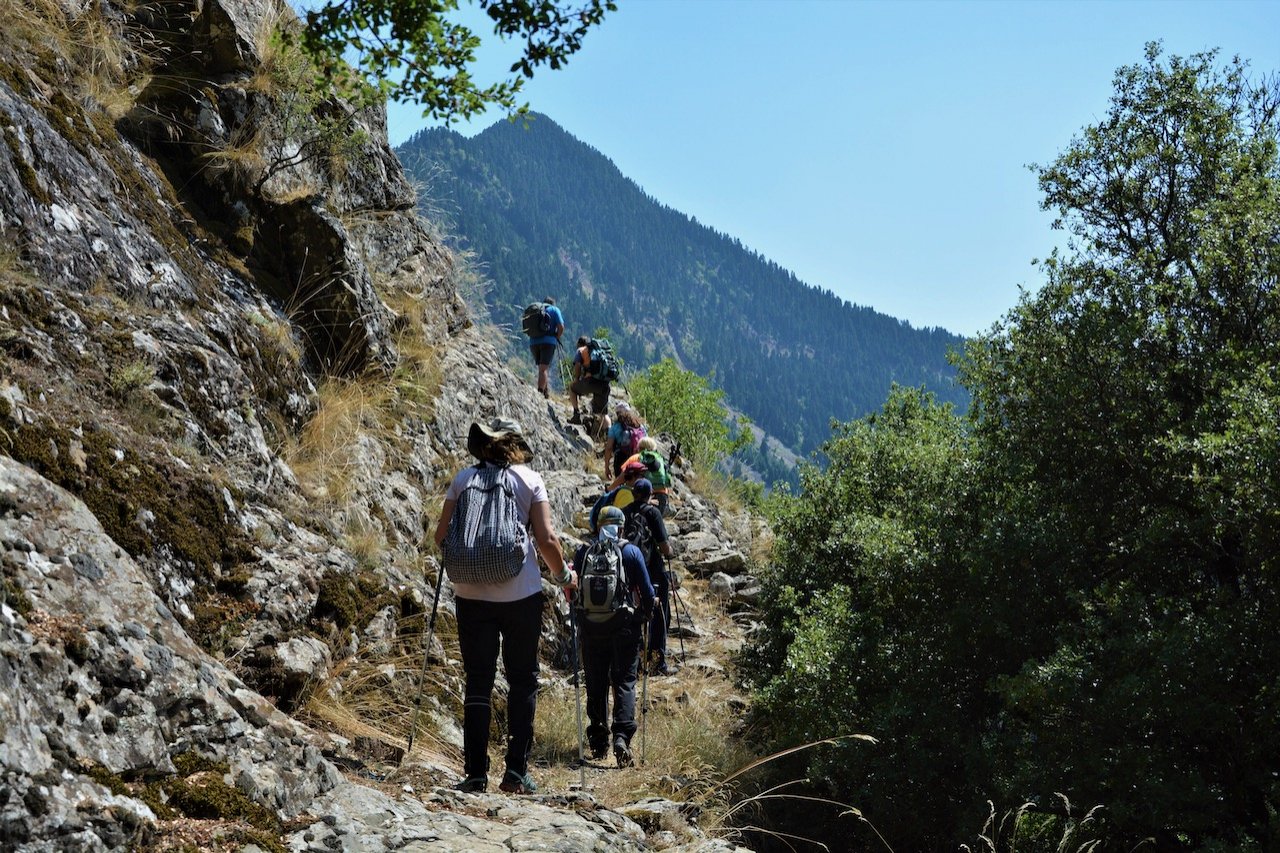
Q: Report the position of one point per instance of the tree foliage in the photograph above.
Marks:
(684, 404)
(1086, 604)
(416, 51)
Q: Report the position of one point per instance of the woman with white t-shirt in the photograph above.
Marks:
(506, 615)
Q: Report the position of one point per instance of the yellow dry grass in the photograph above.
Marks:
(369, 407)
(372, 694)
(322, 454)
(105, 63)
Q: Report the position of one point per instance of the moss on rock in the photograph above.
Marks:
(350, 600)
(120, 487)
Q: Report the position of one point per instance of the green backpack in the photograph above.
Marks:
(658, 474)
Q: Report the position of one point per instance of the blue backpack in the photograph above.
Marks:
(601, 362)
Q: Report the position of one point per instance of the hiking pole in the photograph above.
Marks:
(680, 603)
(577, 696)
(644, 699)
(675, 595)
(426, 656)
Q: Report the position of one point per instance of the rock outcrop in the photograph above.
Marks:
(235, 375)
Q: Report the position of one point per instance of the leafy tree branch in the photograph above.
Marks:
(416, 51)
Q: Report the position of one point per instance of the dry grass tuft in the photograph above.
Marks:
(108, 61)
(370, 696)
(279, 62)
(370, 407)
(242, 158)
(278, 335)
(365, 541)
(322, 455)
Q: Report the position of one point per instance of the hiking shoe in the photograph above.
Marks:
(545, 393)
(576, 419)
(514, 783)
(597, 750)
(473, 785)
(622, 752)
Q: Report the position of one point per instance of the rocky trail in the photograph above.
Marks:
(234, 385)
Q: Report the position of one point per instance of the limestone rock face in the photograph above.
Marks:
(98, 673)
(236, 376)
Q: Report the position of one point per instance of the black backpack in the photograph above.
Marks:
(602, 583)
(638, 532)
(537, 320)
(601, 362)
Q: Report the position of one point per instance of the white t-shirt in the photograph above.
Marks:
(529, 490)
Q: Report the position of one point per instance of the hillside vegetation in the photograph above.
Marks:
(546, 214)
(1068, 598)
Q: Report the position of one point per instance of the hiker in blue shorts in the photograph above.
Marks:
(543, 344)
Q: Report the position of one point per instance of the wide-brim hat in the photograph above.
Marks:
(480, 435)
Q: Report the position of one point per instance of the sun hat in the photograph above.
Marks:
(480, 435)
(623, 406)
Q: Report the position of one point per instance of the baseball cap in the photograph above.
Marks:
(641, 489)
(608, 522)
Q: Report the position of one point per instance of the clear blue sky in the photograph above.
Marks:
(875, 149)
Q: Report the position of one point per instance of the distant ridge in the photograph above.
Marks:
(550, 215)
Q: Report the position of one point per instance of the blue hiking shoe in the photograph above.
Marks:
(514, 783)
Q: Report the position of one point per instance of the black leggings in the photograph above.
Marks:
(661, 622)
(611, 661)
(480, 625)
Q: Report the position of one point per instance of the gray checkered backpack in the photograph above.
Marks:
(486, 539)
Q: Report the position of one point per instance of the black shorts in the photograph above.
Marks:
(542, 353)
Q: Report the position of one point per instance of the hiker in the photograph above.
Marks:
(585, 382)
(613, 605)
(507, 609)
(658, 473)
(544, 324)
(619, 495)
(623, 438)
(645, 529)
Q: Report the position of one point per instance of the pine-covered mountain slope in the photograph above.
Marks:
(549, 215)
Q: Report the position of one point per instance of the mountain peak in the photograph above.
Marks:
(546, 213)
